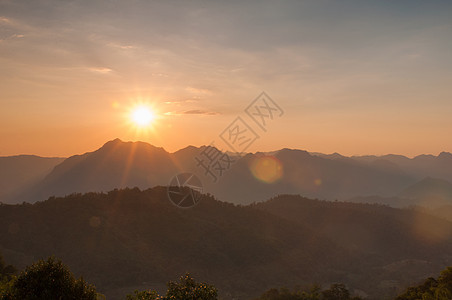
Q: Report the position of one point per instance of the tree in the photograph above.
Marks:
(6, 280)
(188, 288)
(431, 289)
(337, 291)
(50, 279)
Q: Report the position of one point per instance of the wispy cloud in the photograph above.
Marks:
(122, 46)
(181, 102)
(192, 112)
(4, 20)
(198, 91)
(100, 70)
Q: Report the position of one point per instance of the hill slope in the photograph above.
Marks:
(129, 239)
(429, 192)
(19, 172)
(393, 242)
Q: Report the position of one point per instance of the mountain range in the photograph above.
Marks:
(130, 239)
(398, 180)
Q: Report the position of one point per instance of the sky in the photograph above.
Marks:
(354, 77)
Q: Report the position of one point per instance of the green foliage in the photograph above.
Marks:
(431, 289)
(126, 237)
(186, 289)
(48, 279)
(7, 280)
(337, 291)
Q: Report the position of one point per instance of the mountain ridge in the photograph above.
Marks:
(118, 164)
(129, 239)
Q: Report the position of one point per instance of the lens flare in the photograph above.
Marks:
(266, 168)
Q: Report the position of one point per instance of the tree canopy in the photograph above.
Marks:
(47, 279)
(431, 289)
(186, 288)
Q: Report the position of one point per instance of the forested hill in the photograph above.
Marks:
(128, 239)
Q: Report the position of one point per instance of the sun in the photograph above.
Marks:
(142, 116)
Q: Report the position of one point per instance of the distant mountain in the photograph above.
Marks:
(312, 176)
(418, 167)
(19, 172)
(396, 202)
(120, 164)
(429, 192)
(131, 239)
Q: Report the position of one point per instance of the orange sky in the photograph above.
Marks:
(353, 77)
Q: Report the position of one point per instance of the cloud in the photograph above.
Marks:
(198, 90)
(4, 20)
(100, 70)
(121, 46)
(200, 112)
(179, 102)
(193, 112)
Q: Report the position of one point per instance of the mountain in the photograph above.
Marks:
(130, 239)
(396, 202)
(19, 172)
(120, 164)
(116, 164)
(418, 167)
(393, 241)
(303, 173)
(444, 212)
(429, 192)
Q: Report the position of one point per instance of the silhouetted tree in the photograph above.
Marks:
(431, 289)
(337, 291)
(188, 288)
(50, 279)
(6, 280)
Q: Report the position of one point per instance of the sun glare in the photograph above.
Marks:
(142, 116)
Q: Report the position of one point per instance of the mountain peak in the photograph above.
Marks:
(120, 143)
(114, 142)
(288, 150)
(445, 155)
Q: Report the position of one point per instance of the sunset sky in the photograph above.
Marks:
(354, 77)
